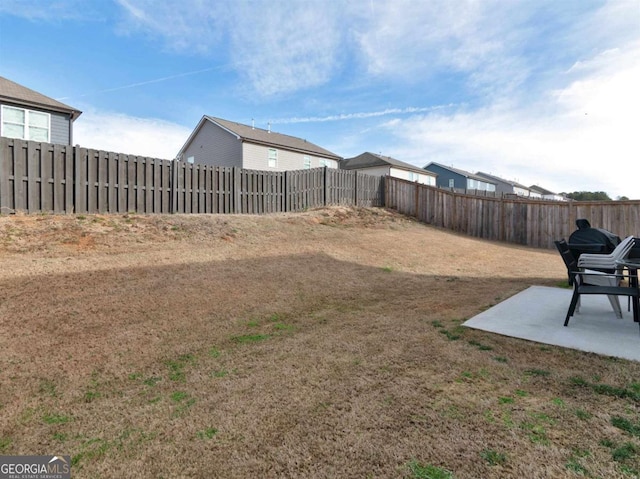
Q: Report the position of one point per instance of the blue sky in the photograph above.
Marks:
(541, 92)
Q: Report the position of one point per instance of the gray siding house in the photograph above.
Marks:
(28, 115)
(378, 165)
(546, 194)
(509, 187)
(449, 177)
(220, 142)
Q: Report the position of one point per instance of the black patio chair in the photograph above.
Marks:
(582, 285)
(589, 278)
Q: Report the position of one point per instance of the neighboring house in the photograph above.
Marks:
(220, 142)
(449, 177)
(547, 195)
(378, 165)
(509, 187)
(28, 115)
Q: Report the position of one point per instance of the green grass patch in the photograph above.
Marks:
(219, 373)
(5, 442)
(177, 366)
(91, 396)
(214, 352)
(494, 458)
(208, 433)
(450, 336)
(500, 359)
(625, 452)
(55, 419)
(521, 393)
(608, 390)
(179, 396)
(480, 346)
(428, 471)
(283, 327)
(506, 400)
(582, 414)
(626, 425)
(574, 466)
(152, 381)
(60, 436)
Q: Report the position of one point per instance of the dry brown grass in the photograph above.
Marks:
(324, 344)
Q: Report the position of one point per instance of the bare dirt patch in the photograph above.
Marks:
(321, 344)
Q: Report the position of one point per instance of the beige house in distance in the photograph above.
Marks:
(220, 142)
(378, 165)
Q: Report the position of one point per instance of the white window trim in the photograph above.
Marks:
(26, 122)
(306, 162)
(274, 158)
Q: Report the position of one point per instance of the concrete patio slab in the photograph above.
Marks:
(537, 314)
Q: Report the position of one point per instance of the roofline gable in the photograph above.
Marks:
(22, 96)
(227, 126)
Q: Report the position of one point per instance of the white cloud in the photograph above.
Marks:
(278, 46)
(127, 134)
(580, 137)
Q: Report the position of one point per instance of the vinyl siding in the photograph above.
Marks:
(214, 146)
(60, 129)
(255, 157)
(375, 170)
(407, 175)
(445, 175)
(60, 126)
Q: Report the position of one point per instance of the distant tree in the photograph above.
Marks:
(588, 196)
(623, 198)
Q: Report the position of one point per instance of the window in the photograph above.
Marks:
(273, 158)
(452, 183)
(307, 162)
(191, 159)
(326, 163)
(413, 176)
(25, 124)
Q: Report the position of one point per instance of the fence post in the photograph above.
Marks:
(325, 188)
(237, 190)
(285, 190)
(355, 188)
(173, 190)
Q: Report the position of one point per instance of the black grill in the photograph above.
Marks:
(591, 240)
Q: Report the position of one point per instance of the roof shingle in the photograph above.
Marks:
(266, 137)
(15, 93)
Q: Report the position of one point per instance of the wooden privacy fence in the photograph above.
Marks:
(529, 222)
(42, 177)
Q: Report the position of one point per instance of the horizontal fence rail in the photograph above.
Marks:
(536, 223)
(45, 178)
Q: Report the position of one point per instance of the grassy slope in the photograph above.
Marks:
(326, 344)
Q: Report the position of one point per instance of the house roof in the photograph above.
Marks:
(268, 138)
(13, 92)
(542, 191)
(370, 160)
(464, 173)
(498, 179)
